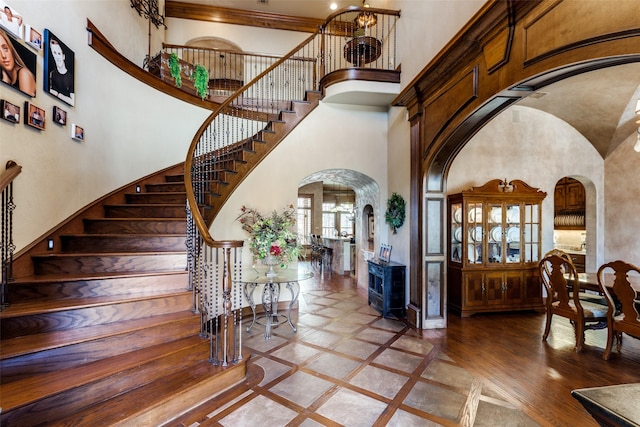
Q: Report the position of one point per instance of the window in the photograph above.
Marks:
(304, 219)
(329, 220)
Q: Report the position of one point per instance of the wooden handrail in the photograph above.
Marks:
(7, 176)
(331, 27)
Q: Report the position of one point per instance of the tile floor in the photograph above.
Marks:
(347, 366)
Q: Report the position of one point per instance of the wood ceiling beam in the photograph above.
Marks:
(223, 15)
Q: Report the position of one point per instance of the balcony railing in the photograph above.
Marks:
(254, 91)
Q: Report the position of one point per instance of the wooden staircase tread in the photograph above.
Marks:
(27, 344)
(27, 390)
(49, 278)
(124, 235)
(126, 219)
(155, 394)
(62, 304)
(104, 254)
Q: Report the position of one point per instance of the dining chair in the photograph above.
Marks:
(623, 303)
(562, 301)
(584, 296)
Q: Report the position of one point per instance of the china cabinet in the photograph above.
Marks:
(494, 248)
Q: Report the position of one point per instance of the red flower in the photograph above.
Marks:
(275, 250)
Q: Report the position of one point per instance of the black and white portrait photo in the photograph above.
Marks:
(58, 69)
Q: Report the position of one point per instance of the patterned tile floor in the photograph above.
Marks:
(347, 366)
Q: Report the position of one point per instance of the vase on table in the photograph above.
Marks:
(271, 261)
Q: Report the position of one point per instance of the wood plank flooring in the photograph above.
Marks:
(503, 351)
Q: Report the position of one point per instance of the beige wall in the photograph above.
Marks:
(538, 148)
(131, 130)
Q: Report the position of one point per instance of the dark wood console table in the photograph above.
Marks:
(387, 287)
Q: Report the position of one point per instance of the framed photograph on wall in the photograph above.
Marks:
(385, 253)
(58, 73)
(34, 116)
(18, 65)
(77, 132)
(10, 112)
(11, 20)
(59, 116)
(32, 37)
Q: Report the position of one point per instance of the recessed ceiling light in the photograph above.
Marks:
(333, 6)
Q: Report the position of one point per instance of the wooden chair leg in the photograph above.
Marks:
(607, 351)
(619, 343)
(579, 336)
(547, 327)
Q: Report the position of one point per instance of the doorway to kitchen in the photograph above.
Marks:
(569, 220)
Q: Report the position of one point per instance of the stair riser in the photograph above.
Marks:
(123, 243)
(66, 403)
(82, 317)
(106, 226)
(146, 211)
(109, 263)
(147, 198)
(19, 292)
(86, 352)
(167, 187)
(174, 178)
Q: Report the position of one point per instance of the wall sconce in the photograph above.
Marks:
(366, 19)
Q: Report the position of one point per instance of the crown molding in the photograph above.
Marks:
(223, 15)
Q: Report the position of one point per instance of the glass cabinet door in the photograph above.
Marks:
(513, 233)
(475, 230)
(531, 232)
(495, 240)
(456, 232)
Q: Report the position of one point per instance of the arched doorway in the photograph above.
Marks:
(519, 50)
(367, 193)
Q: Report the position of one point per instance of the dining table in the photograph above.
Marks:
(589, 281)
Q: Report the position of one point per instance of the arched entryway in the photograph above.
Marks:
(519, 50)
(367, 194)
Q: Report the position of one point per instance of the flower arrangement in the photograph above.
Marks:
(271, 235)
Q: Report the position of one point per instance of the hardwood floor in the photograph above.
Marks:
(503, 351)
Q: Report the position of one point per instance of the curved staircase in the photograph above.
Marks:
(103, 331)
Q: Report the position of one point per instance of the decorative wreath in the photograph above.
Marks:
(395, 212)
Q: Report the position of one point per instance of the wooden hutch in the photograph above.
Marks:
(494, 248)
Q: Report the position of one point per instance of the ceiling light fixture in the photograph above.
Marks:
(366, 19)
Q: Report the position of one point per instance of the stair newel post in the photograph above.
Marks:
(229, 326)
(6, 244)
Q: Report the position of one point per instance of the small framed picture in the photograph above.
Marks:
(77, 132)
(34, 116)
(11, 19)
(33, 37)
(10, 112)
(59, 116)
(385, 253)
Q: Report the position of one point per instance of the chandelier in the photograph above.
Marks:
(366, 19)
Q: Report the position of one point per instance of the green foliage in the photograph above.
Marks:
(174, 68)
(271, 234)
(395, 214)
(201, 80)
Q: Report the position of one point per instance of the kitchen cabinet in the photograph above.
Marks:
(387, 287)
(569, 201)
(494, 248)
